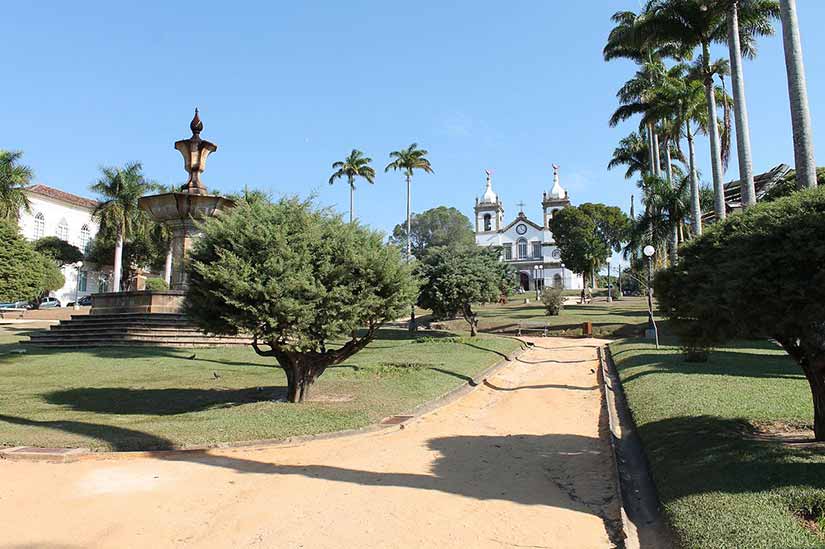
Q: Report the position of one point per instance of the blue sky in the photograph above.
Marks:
(285, 89)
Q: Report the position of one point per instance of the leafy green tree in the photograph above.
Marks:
(632, 152)
(59, 250)
(354, 165)
(13, 179)
(436, 227)
(454, 279)
(147, 247)
(119, 213)
(25, 274)
(310, 289)
(718, 291)
(587, 234)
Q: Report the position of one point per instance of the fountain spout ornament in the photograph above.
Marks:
(195, 151)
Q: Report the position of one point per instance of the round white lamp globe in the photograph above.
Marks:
(649, 251)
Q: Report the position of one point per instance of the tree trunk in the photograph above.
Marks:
(118, 266)
(300, 376)
(798, 92)
(815, 373)
(713, 134)
(651, 155)
(471, 318)
(674, 233)
(740, 110)
(412, 327)
(167, 268)
(657, 155)
(695, 206)
(351, 203)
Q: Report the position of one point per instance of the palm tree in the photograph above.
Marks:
(408, 160)
(633, 152)
(14, 178)
(354, 165)
(755, 16)
(798, 92)
(119, 212)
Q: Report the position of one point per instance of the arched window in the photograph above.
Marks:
(85, 239)
(488, 222)
(63, 230)
(39, 226)
(522, 248)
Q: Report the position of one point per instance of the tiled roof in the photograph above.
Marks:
(63, 196)
(762, 184)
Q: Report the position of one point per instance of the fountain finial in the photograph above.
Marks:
(196, 125)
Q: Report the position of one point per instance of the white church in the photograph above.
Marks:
(526, 245)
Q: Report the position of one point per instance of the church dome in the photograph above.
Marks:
(490, 197)
(557, 191)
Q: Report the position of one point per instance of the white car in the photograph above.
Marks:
(49, 303)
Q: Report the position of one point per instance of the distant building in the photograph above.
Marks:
(68, 217)
(762, 183)
(526, 244)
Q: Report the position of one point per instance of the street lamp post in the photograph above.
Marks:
(562, 276)
(652, 331)
(609, 286)
(77, 266)
(536, 275)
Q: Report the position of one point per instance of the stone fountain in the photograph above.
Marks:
(147, 317)
(179, 211)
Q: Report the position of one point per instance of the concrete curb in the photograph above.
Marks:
(642, 522)
(68, 455)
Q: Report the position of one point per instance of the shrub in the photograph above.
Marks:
(759, 273)
(553, 301)
(156, 284)
(24, 273)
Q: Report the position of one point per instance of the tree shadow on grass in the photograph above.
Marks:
(158, 402)
(534, 387)
(118, 438)
(706, 454)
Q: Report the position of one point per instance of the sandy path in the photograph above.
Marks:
(519, 462)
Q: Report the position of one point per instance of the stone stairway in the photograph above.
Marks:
(130, 330)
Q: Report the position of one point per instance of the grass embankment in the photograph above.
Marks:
(726, 477)
(142, 398)
(622, 318)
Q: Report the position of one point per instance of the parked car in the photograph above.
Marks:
(16, 305)
(49, 303)
(84, 301)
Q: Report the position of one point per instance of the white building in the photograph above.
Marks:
(68, 217)
(527, 246)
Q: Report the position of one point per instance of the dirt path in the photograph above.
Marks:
(520, 462)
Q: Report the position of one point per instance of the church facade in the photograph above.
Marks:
(526, 245)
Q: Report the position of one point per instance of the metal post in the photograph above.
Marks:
(651, 324)
(609, 288)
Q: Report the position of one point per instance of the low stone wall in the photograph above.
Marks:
(143, 301)
(56, 313)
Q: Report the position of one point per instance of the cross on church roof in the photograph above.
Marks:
(521, 206)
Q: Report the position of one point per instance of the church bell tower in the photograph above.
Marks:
(489, 210)
(555, 200)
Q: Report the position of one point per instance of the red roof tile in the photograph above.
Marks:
(63, 196)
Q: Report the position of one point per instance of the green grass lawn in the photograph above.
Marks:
(721, 486)
(145, 398)
(622, 318)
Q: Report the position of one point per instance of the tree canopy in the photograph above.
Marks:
(454, 279)
(760, 273)
(587, 234)
(310, 289)
(62, 252)
(436, 227)
(25, 274)
(13, 179)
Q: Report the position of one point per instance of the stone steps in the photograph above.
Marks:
(130, 330)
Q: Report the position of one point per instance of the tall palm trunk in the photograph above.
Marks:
(118, 267)
(674, 235)
(351, 200)
(412, 326)
(798, 92)
(740, 110)
(656, 153)
(713, 134)
(167, 268)
(695, 206)
(651, 149)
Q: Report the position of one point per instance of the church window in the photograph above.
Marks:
(522, 249)
(488, 222)
(82, 281)
(85, 239)
(536, 249)
(39, 225)
(557, 280)
(508, 252)
(63, 230)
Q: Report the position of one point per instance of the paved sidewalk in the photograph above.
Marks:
(522, 461)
